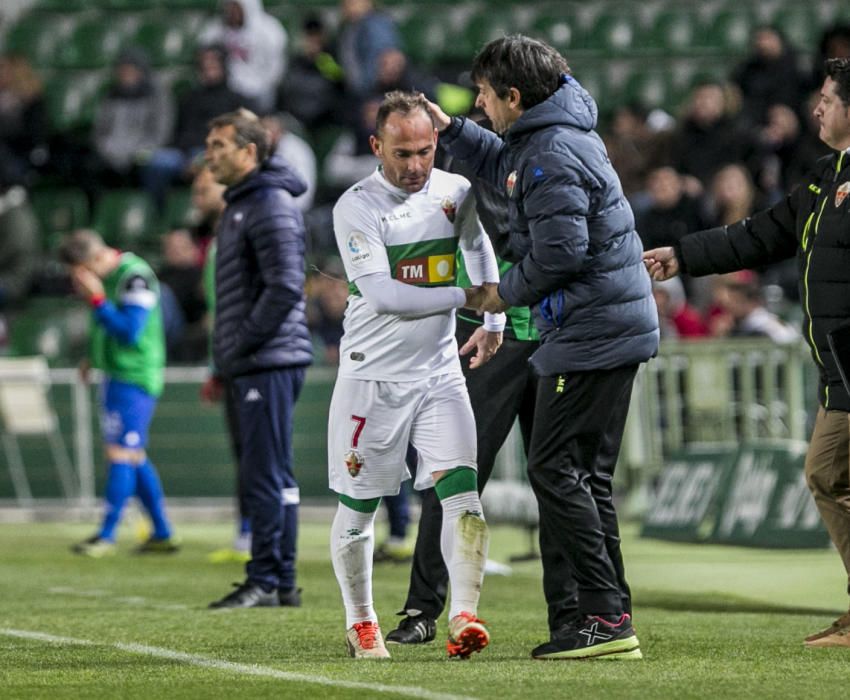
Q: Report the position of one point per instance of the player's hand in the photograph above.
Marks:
(661, 263)
(485, 343)
(87, 284)
(492, 303)
(441, 119)
(84, 369)
(212, 390)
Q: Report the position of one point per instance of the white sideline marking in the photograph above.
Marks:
(237, 668)
(127, 600)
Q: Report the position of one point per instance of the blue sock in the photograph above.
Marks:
(120, 485)
(149, 491)
(245, 525)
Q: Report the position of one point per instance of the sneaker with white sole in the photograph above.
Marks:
(467, 634)
(593, 637)
(365, 641)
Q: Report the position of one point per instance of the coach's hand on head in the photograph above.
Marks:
(441, 119)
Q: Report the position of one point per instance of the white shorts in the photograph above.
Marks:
(371, 424)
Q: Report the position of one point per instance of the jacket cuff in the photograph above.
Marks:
(452, 131)
(677, 249)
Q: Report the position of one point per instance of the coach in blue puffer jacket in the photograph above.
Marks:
(578, 265)
(260, 342)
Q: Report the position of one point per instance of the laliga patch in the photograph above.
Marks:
(449, 208)
(358, 249)
(353, 462)
(841, 194)
(510, 183)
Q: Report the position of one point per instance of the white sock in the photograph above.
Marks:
(352, 548)
(463, 540)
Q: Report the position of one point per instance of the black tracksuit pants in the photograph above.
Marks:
(579, 420)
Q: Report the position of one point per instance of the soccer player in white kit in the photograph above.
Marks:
(400, 379)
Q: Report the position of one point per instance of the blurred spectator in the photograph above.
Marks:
(677, 318)
(207, 205)
(631, 147)
(742, 299)
(672, 211)
(364, 35)
(732, 195)
(295, 151)
(326, 301)
(135, 117)
(184, 305)
(20, 252)
(770, 75)
(350, 158)
(799, 156)
(834, 43)
(709, 136)
(210, 97)
(395, 72)
(20, 246)
(256, 45)
(312, 88)
(23, 121)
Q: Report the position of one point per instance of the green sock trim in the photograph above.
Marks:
(455, 481)
(361, 505)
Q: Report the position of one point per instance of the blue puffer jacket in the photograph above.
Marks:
(572, 234)
(260, 320)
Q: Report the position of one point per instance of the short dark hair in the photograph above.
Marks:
(839, 70)
(248, 129)
(79, 247)
(529, 65)
(401, 102)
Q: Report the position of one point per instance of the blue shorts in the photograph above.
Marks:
(126, 413)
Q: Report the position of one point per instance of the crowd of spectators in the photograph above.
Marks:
(734, 146)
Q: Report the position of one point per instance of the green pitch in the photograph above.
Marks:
(713, 623)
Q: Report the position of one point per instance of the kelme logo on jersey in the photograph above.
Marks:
(426, 270)
(449, 208)
(353, 462)
(841, 194)
(358, 249)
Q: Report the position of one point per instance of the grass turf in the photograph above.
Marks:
(713, 622)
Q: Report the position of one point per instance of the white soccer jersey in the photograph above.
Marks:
(414, 237)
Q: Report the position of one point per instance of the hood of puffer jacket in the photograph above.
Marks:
(570, 105)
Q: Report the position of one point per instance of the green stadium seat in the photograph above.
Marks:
(59, 210)
(127, 4)
(167, 43)
(61, 5)
(93, 44)
(127, 219)
(799, 23)
(731, 29)
(38, 35)
(178, 208)
(614, 31)
(72, 98)
(208, 5)
(675, 30)
(56, 327)
(433, 35)
(558, 27)
(492, 23)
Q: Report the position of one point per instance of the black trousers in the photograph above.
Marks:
(579, 420)
(500, 392)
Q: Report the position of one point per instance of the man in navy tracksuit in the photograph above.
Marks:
(578, 266)
(260, 342)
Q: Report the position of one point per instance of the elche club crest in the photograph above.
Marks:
(353, 462)
(449, 208)
(842, 193)
(510, 183)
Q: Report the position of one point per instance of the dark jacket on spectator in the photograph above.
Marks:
(572, 234)
(260, 321)
(813, 223)
(197, 107)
